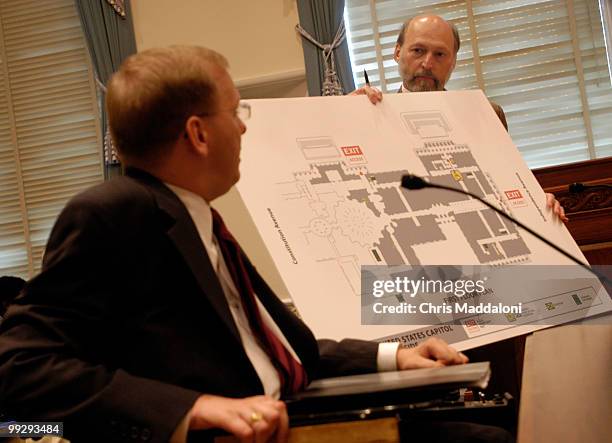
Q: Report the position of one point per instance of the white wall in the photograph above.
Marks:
(266, 60)
(257, 36)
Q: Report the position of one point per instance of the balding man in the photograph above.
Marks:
(148, 320)
(426, 54)
(429, 56)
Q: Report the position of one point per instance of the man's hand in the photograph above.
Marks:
(373, 94)
(432, 353)
(253, 419)
(556, 207)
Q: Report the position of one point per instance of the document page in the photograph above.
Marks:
(321, 180)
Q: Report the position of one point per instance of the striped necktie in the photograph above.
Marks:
(291, 373)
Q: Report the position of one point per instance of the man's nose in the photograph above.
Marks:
(242, 127)
(428, 60)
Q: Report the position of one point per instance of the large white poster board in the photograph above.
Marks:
(320, 177)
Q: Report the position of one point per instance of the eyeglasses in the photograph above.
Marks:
(243, 111)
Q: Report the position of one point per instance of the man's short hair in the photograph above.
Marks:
(400, 37)
(154, 92)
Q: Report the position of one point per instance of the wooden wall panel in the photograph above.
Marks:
(590, 211)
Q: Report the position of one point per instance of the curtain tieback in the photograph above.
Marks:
(331, 81)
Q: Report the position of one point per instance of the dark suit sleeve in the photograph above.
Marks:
(56, 352)
(500, 114)
(346, 357)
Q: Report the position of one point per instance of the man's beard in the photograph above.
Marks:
(414, 84)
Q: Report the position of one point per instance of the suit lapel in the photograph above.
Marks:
(185, 237)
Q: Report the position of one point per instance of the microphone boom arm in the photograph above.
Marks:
(414, 182)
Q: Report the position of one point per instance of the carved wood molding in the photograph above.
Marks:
(556, 179)
(590, 211)
(585, 201)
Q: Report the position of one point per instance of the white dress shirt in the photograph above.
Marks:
(200, 213)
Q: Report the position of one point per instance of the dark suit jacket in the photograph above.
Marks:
(127, 323)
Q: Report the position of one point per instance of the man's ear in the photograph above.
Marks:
(196, 134)
(396, 52)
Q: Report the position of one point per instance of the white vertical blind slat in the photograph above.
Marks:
(49, 141)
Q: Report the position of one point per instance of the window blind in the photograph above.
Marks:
(49, 134)
(543, 61)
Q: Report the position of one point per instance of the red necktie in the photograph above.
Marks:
(291, 373)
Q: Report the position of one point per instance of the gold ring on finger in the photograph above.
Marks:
(255, 417)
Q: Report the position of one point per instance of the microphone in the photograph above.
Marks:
(414, 182)
(577, 188)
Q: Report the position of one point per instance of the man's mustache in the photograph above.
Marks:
(413, 85)
(427, 74)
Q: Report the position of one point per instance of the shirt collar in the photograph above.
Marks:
(199, 210)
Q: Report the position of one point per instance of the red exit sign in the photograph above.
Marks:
(513, 195)
(351, 150)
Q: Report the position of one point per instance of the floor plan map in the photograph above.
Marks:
(325, 196)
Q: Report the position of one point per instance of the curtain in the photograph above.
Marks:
(49, 136)
(322, 19)
(109, 32)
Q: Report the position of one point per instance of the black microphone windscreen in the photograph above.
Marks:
(410, 181)
(576, 188)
